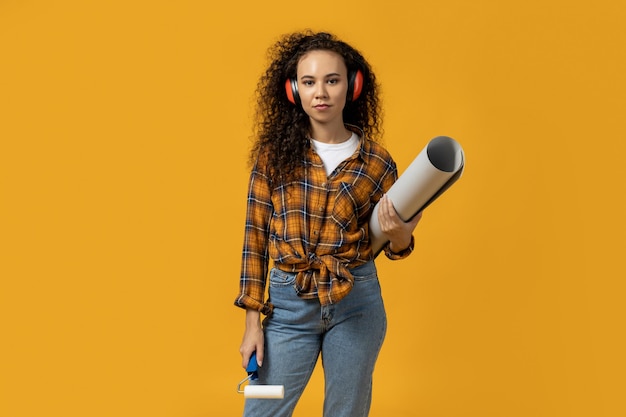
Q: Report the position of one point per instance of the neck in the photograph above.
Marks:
(330, 134)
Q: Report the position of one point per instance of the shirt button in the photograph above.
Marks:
(323, 184)
(321, 208)
(315, 232)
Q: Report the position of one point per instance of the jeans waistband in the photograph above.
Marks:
(367, 268)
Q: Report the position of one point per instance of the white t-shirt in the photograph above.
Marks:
(333, 154)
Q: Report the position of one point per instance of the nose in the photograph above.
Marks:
(320, 91)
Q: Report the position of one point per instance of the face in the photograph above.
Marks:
(323, 85)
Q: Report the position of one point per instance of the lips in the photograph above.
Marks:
(322, 106)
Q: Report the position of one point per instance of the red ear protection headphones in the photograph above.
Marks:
(355, 86)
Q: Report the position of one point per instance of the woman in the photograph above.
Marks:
(317, 173)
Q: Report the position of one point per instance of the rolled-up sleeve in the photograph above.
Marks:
(254, 257)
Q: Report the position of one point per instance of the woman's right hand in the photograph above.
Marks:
(253, 339)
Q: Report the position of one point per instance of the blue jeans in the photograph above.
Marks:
(348, 335)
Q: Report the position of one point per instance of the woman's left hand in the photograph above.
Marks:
(395, 229)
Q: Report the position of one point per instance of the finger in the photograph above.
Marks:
(381, 207)
(260, 354)
(393, 214)
(383, 215)
(245, 357)
(387, 206)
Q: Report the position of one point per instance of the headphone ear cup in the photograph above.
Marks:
(291, 88)
(355, 85)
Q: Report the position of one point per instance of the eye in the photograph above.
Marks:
(333, 81)
(308, 83)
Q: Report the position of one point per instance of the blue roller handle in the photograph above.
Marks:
(252, 367)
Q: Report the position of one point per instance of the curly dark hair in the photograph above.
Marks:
(280, 128)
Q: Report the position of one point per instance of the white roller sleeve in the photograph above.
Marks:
(432, 172)
(264, 391)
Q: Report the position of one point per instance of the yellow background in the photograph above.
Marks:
(124, 129)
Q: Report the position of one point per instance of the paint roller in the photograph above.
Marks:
(257, 390)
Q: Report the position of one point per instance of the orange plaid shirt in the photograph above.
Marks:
(316, 226)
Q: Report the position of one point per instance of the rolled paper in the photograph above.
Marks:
(438, 166)
(264, 391)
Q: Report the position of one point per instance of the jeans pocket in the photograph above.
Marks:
(365, 272)
(280, 278)
(365, 277)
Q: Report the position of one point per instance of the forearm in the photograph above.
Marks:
(253, 338)
(253, 319)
